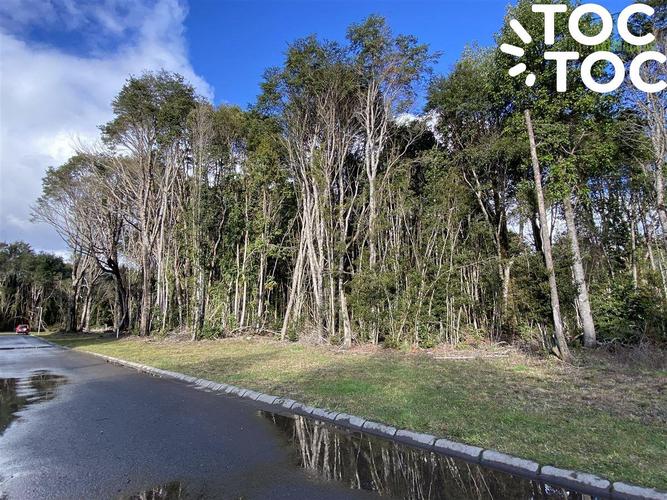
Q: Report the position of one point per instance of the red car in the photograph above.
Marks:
(23, 330)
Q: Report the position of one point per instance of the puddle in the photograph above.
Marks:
(170, 491)
(369, 463)
(17, 393)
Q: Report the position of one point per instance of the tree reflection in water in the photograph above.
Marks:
(17, 393)
(170, 491)
(391, 469)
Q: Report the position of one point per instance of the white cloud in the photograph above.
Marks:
(51, 100)
(98, 17)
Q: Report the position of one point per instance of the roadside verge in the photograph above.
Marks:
(583, 482)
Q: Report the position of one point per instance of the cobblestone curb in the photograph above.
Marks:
(581, 481)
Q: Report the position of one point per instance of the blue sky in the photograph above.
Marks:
(62, 62)
(232, 42)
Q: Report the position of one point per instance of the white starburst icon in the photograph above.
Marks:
(515, 51)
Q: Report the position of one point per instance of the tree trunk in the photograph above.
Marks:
(200, 302)
(73, 298)
(579, 276)
(654, 111)
(632, 215)
(88, 310)
(563, 349)
(537, 235)
(121, 314)
(295, 289)
(121, 317)
(372, 224)
(506, 274)
(70, 324)
(84, 322)
(145, 324)
(660, 198)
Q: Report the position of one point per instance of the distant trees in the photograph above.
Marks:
(502, 212)
(30, 281)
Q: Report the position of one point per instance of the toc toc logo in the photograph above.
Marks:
(606, 29)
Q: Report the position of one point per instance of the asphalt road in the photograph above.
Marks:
(111, 432)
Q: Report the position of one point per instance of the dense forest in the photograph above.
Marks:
(34, 288)
(330, 210)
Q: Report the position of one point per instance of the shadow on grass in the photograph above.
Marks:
(82, 341)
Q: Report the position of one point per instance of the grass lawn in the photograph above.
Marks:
(597, 415)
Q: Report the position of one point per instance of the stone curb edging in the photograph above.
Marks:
(581, 481)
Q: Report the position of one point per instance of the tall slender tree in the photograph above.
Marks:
(147, 136)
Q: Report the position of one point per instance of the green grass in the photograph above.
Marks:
(595, 416)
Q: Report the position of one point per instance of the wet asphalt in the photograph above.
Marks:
(112, 432)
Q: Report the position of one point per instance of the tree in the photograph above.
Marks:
(328, 210)
(316, 95)
(74, 201)
(652, 107)
(473, 131)
(146, 135)
(551, 107)
(389, 67)
(63, 190)
(200, 126)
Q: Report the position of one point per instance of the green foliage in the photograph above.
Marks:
(397, 62)
(28, 281)
(428, 235)
(627, 314)
(157, 101)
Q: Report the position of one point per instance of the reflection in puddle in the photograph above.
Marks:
(17, 393)
(393, 470)
(169, 491)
